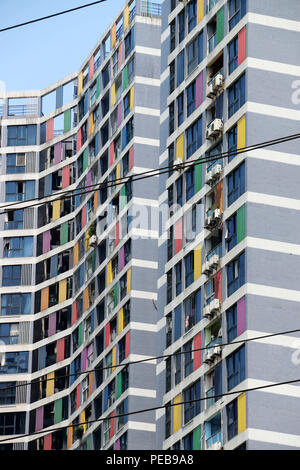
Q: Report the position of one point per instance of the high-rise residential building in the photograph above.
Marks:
(229, 251)
(78, 275)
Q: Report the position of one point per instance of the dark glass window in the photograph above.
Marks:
(236, 95)
(236, 274)
(235, 368)
(236, 184)
(233, 55)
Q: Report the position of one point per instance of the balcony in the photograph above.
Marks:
(214, 129)
(23, 110)
(214, 442)
(150, 9)
(215, 84)
(132, 14)
(212, 42)
(210, 393)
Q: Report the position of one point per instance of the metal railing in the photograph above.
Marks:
(212, 42)
(97, 63)
(215, 251)
(150, 9)
(119, 32)
(22, 110)
(132, 14)
(217, 437)
(221, 71)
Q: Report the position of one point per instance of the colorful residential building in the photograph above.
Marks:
(78, 276)
(229, 250)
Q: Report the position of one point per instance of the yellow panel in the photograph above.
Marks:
(126, 17)
(118, 171)
(131, 98)
(95, 201)
(55, 210)
(45, 299)
(113, 35)
(241, 133)
(179, 147)
(114, 357)
(62, 291)
(128, 281)
(177, 414)
(76, 254)
(197, 262)
(90, 383)
(86, 299)
(121, 321)
(113, 95)
(242, 413)
(200, 10)
(80, 83)
(109, 274)
(82, 420)
(87, 241)
(50, 384)
(70, 436)
(91, 124)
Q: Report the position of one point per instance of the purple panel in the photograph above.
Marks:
(46, 241)
(52, 324)
(122, 258)
(89, 179)
(84, 359)
(118, 445)
(199, 90)
(241, 316)
(119, 114)
(90, 349)
(39, 418)
(57, 153)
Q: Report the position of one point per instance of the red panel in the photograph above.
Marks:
(130, 158)
(117, 234)
(107, 335)
(112, 424)
(77, 396)
(127, 338)
(197, 354)
(74, 312)
(49, 129)
(178, 236)
(92, 67)
(48, 442)
(66, 176)
(242, 46)
(83, 217)
(218, 286)
(60, 351)
(120, 56)
(111, 153)
(79, 139)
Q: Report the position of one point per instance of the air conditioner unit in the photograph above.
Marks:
(218, 81)
(217, 351)
(216, 171)
(214, 261)
(209, 177)
(178, 165)
(214, 306)
(210, 93)
(208, 356)
(215, 129)
(206, 269)
(93, 240)
(217, 214)
(216, 446)
(207, 222)
(206, 311)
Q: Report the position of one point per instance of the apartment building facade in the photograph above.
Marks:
(78, 276)
(229, 249)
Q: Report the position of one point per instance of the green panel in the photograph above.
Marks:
(198, 177)
(115, 294)
(119, 385)
(241, 224)
(125, 78)
(98, 87)
(84, 160)
(89, 443)
(123, 197)
(197, 438)
(64, 233)
(67, 120)
(58, 411)
(80, 334)
(220, 25)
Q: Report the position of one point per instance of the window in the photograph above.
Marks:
(190, 312)
(168, 330)
(231, 316)
(181, 26)
(189, 183)
(130, 70)
(236, 184)
(16, 247)
(123, 441)
(180, 68)
(192, 14)
(9, 333)
(172, 36)
(178, 275)
(15, 163)
(233, 55)
(232, 143)
(14, 220)
(172, 76)
(15, 363)
(191, 409)
(180, 109)
(168, 416)
(171, 118)
(177, 365)
(127, 105)
(19, 190)
(188, 358)
(237, 9)
(231, 237)
(236, 95)
(129, 42)
(7, 393)
(11, 275)
(12, 423)
(235, 274)
(194, 137)
(209, 291)
(179, 191)
(189, 269)
(168, 375)
(21, 135)
(123, 286)
(122, 409)
(235, 368)
(192, 55)
(126, 313)
(122, 347)
(169, 287)
(191, 98)
(15, 304)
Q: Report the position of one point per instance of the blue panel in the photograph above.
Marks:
(177, 321)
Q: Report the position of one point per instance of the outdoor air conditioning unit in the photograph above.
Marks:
(215, 129)
(208, 356)
(214, 261)
(214, 306)
(218, 81)
(209, 177)
(207, 223)
(217, 351)
(206, 312)
(216, 214)
(93, 240)
(178, 165)
(216, 171)
(206, 269)
(210, 92)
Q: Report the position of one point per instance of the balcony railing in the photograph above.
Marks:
(150, 9)
(217, 250)
(119, 32)
(217, 437)
(212, 42)
(23, 110)
(221, 71)
(210, 393)
(132, 14)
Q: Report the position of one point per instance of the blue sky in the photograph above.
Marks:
(34, 56)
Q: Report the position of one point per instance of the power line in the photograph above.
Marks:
(50, 16)
(164, 356)
(145, 410)
(148, 174)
